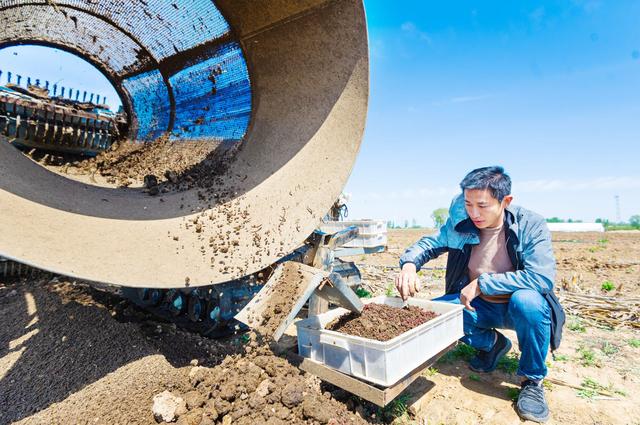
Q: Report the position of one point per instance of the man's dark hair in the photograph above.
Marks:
(493, 178)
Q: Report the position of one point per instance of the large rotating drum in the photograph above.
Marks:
(282, 84)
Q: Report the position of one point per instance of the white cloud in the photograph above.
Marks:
(460, 99)
(413, 30)
(564, 185)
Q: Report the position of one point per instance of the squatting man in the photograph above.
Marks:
(500, 266)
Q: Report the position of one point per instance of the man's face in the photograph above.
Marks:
(484, 210)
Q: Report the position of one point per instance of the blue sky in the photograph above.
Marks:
(56, 66)
(548, 89)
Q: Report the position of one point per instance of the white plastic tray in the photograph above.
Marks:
(380, 362)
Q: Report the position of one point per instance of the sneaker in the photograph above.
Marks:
(531, 403)
(487, 361)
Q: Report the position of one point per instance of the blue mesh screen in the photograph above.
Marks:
(213, 97)
(150, 103)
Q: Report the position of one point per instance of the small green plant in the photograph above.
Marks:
(587, 357)
(513, 393)
(421, 273)
(603, 241)
(245, 338)
(460, 352)
(474, 377)
(595, 248)
(390, 290)
(607, 285)
(575, 324)
(634, 342)
(509, 363)
(609, 349)
(431, 371)
(547, 385)
(397, 409)
(562, 358)
(590, 388)
(363, 293)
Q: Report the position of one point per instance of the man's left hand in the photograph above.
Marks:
(468, 294)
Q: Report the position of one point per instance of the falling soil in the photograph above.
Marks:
(277, 299)
(381, 322)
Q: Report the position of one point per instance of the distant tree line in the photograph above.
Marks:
(633, 223)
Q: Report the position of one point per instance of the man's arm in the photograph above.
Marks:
(427, 248)
(415, 256)
(539, 266)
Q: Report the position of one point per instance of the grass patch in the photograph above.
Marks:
(607, 285)
(474, 377)
(634, 342)
(609, 349)
(561, 358)
(397, 409)
(587, 357)
(575, 324)
(509, 363)
(460, 352)
(432, 371)
(513, 393)
(363, 293)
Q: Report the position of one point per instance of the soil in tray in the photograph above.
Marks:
(381, 322)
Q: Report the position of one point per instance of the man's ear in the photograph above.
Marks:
(506, 201)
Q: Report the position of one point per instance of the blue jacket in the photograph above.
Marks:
(529, 247)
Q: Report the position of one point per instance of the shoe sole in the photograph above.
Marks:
(532, 418)
(501, 353)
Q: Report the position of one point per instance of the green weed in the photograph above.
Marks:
(547, 385)
(634, 342)
(509, 363)
(474, 377)
(587, 357)
(603, 241)
(609, 349)
(607, 285)
(562, 358)
(575, 324)
(432, 371)
(363, 293)
(397, 409)
(513, 393)
(460, 352)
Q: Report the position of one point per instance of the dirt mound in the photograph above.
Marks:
(381, 322)
(259, 387)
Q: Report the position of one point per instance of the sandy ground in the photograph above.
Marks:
(69, 354)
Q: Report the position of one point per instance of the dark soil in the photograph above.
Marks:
(260, 387)
(170, 164)
(381, 322)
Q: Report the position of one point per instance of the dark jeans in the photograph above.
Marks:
(527, 312)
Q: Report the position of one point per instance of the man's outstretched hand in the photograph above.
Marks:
(468, 293)
(407, 282)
